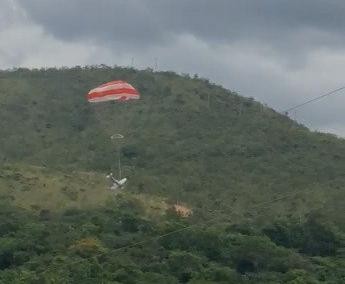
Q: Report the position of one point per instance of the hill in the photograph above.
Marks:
(260, 175)
(186, 139)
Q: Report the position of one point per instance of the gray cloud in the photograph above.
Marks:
(280, 52)
(281, 22)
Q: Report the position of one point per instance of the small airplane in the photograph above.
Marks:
(116, 183)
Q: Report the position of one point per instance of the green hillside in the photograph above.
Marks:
(186, 139)
(273, 189)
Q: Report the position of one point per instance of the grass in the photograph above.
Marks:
(37, 188)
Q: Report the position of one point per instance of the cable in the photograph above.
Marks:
(314, 99)
(257, 206)
(262, 205)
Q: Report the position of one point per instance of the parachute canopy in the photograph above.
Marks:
(113, 91)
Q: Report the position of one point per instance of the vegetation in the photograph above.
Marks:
(266, 194)
(94, 246)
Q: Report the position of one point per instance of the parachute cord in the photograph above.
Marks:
(100, 111)
(119, 161)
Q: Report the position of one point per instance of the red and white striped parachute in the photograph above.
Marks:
(113, 91)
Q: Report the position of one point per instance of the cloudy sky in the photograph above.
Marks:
(281, 52)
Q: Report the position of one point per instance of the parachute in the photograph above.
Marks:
(113, 91)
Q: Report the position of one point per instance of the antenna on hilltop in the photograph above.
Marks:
(156, 64)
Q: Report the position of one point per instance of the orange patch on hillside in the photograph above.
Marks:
(182, 211)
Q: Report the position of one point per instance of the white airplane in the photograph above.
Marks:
(116, 183)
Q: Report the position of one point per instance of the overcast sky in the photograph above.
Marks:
(281, 52)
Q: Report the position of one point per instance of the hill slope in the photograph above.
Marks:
(186, 139)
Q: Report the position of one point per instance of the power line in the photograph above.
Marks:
(257, 206)
(314, 99)
(261, 205)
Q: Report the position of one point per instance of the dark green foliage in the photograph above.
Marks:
(208, 242)
(311, 237)
(83, 247)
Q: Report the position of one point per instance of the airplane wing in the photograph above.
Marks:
(115, 181)
(122, 181)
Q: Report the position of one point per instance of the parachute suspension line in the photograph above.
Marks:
(117, 138)
(119, 161)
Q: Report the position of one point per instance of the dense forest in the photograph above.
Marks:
(265, 194)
